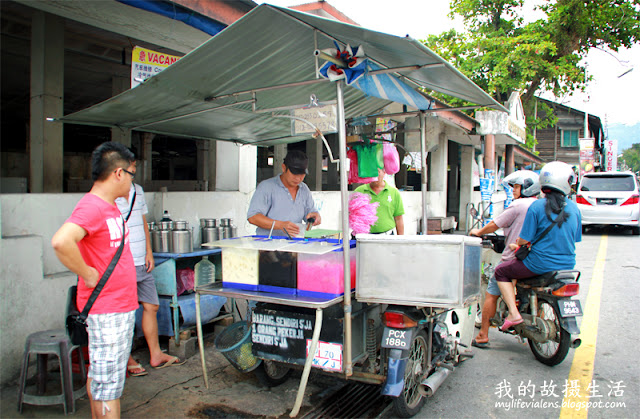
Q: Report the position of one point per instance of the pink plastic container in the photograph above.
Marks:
(323, 275)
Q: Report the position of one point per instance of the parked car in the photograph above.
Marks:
(609, 198)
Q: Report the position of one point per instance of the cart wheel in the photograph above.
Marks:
(409, 403)
(272, 373)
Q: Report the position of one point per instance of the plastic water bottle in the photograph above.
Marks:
(205, 272)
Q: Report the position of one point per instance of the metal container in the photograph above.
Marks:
(166, 225)
(225, 222)
(209, 222)
(181, 241)
(209, 234)
(223, 233)
(437, 270)
(180, 225)
(234, 231)
(161, 241)
(152, 225)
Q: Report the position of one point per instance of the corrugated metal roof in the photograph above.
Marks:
(269, 46)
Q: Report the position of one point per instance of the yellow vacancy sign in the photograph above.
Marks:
(146, 63)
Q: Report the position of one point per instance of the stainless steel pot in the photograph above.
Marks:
(152, 225)
(210, 234)
(161, 241)
(225, 222)
(209, 222)
(181, 241)
(223, 233)
(180, 225)
(166, 225)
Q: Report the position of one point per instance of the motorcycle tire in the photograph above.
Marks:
(409, 403)
(272, 373)
(553, 351)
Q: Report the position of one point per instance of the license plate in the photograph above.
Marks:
(607, 201)
(396, 338)
(570, 308)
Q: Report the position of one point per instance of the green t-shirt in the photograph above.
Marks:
(390, 206)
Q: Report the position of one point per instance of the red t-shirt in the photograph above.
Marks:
(103, 223)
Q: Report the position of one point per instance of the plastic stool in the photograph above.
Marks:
(43, 344)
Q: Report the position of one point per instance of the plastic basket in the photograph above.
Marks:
(235, 344)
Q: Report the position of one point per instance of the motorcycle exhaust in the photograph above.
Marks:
(575, 343)
(429, 386)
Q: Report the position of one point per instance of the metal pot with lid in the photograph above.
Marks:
(180, 225)
(166, 225)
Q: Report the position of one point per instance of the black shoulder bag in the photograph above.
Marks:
(523, 251)
(76, 321)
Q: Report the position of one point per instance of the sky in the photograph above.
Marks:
(608, 96)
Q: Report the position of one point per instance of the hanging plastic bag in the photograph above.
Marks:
(185, 280)
(391, 158)
(370, 159)
(353, 177)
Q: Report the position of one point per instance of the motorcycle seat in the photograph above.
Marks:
(540, 280)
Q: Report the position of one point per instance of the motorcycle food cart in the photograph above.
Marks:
(406, 323)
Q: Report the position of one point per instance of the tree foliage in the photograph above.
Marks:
(502, 54)
(631, 158)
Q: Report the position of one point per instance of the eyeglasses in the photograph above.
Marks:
(133, 175)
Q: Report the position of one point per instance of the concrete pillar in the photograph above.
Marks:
(46, 154)
(118, 85)
(509, 164)
(237, 170)
(438, 172)
(212, 153)
(489, 153)
(202, 157)
(467, 155)
(279, 153)
(314, 152)
(145, 159)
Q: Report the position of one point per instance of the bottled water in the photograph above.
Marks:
(205, 272)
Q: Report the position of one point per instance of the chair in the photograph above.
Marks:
(43, 344)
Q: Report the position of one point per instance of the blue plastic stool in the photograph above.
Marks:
(43, 344)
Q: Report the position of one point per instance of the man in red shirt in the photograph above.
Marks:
(86, 243)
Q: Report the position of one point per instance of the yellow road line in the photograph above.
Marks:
(583, 358)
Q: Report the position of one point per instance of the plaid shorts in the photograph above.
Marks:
(110, 337)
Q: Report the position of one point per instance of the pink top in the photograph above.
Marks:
(511, 220)
(103, 224)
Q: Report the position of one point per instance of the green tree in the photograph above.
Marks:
(502, 54)
(631, 158)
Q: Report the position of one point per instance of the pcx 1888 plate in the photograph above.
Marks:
(396, 338)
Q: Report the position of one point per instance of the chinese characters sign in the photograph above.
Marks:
(146, 63)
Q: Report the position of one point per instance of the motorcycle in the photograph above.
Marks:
(548, 311)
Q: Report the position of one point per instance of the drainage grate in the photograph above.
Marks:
(353, 400)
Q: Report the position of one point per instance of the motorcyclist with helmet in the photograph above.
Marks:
(554, 251)
(526, 187)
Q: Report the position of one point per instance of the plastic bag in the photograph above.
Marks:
(391, 158)
(370, 159)
(353, 177)
(185, 280)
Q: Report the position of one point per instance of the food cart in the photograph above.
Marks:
(244, 85)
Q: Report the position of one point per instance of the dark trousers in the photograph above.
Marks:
(512, 269)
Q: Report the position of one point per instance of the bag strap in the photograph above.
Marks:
(133, 200)
(103, 280)
(554, 222)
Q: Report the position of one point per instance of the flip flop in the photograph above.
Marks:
(175, 361)
(130, 369)
(509, 324)
(481, 345)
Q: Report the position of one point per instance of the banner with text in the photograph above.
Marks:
(611, 155)
(146, 63)
(586, 155)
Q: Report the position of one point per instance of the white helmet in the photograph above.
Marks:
(558, 176)
(527, 179)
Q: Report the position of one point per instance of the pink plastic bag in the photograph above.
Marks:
(391, 159)
(185, 280)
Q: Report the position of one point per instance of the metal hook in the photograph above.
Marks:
(313, 100)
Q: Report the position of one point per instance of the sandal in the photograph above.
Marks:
(140, 370)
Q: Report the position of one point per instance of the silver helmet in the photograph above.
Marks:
(528, 180)
(557, 176)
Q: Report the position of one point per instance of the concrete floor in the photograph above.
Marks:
(177, 392)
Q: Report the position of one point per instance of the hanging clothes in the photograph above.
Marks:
(370, 159)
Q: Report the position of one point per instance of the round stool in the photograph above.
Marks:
(43, 344)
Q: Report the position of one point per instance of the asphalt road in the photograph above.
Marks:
(506, 379)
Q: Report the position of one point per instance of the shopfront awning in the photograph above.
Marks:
(229, 87)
